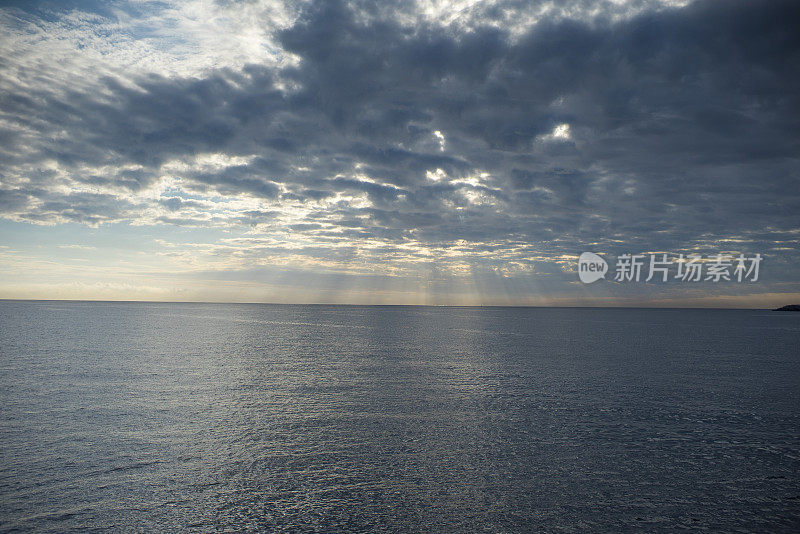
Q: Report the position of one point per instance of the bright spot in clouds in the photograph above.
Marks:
(440, 137)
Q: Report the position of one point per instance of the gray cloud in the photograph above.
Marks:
(640, 128)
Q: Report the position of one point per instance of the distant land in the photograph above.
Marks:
(789, 307)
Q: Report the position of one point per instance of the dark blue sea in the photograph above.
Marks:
(237, 418)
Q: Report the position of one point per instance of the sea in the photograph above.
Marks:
(186, 417)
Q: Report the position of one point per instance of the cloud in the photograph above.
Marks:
(531, 128)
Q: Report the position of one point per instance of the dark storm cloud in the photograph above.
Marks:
(682, 127)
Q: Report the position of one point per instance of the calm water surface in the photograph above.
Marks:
(208, 417)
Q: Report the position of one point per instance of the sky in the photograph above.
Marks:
(423, 152)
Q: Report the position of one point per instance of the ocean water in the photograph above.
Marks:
(212, 417)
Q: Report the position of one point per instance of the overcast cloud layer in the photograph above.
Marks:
(413, 152)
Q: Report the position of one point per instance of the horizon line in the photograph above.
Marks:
(644, 307)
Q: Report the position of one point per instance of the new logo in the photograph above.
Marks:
(591, 267)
